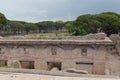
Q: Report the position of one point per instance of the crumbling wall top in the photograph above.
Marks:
(97, 36)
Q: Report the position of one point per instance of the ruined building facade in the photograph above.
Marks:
(88, 55)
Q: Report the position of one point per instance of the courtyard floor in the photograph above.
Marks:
(24, 76)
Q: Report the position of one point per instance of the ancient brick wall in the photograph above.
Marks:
(86, 53)
(70, 56)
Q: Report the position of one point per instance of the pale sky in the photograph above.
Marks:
(43, 10)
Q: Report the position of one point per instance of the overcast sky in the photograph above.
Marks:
(40, 10)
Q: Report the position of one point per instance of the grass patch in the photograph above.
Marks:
(50, 34)
(8, 67)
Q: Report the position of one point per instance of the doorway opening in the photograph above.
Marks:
(85, 66)
(3, 63)
(52, 65)
(27, 64)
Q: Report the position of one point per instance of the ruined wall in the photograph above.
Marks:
(82, 53)
(97, 36)
(70, 56)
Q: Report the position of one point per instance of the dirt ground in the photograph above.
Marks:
(23, 76)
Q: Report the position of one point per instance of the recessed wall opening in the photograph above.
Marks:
(3, 62)
(52, 65)
(85, 66)
(85, 63)
(26, 51)
(1, 51)
(84, 52)
(27, 64)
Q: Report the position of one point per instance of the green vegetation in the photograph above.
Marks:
(8, 67)
(50, 26)
(108, 22)
(3, 20)
(49, 34)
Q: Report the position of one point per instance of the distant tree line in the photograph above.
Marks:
(21, 27)
(108, 22)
